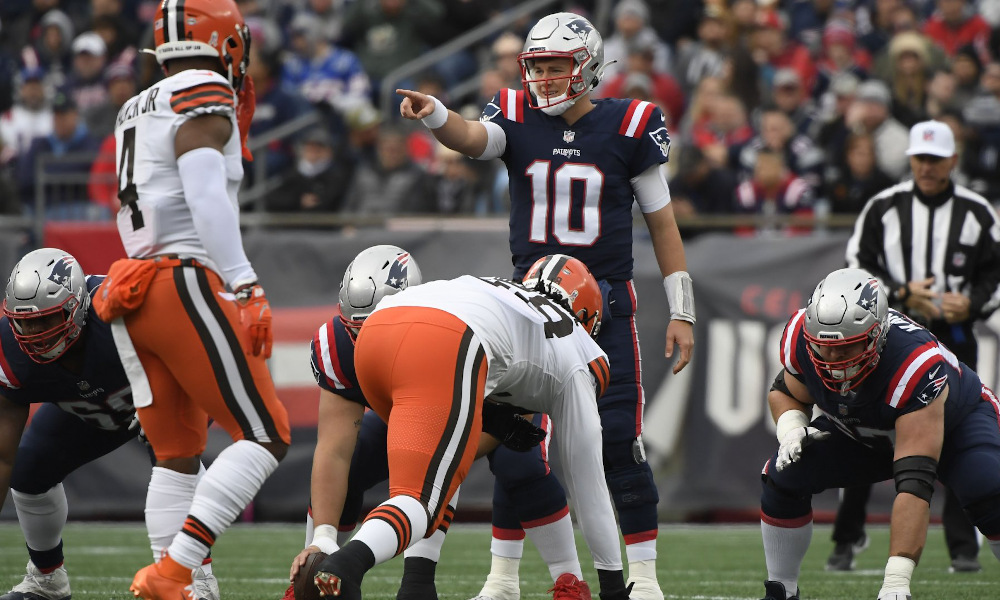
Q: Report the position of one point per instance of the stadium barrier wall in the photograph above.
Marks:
(707, 430)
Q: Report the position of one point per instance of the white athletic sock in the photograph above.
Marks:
(42, 516)
(168, 501)
(429, 547)
(640, 552)
(309, 530)
(510, 549)
(383, 539)
(225, 489)
(784, 549)
(556, 544)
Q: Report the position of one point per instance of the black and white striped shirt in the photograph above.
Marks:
(955, 238)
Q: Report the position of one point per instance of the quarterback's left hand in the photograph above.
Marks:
(680, 333)
(244, 113)
(255, 315)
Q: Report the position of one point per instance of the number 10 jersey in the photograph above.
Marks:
(154, 217)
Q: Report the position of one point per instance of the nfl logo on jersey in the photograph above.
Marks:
(569, 136)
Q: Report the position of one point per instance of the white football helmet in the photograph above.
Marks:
(46, 282)
(375, 273)
(562, 35)
(847, 307)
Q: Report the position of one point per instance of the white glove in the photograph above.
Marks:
(793, 443)
(895, 595)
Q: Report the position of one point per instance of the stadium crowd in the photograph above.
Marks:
(773, 106)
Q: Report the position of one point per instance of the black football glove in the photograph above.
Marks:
(503, 422)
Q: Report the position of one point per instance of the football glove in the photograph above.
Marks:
(794, 442)
(244, 113)
(503, 422)
(255, 315)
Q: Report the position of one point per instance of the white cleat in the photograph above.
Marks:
(500, 587)
(644, 588)
(40, 586)
(204, 584)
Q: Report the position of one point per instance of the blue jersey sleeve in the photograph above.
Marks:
(645, 122)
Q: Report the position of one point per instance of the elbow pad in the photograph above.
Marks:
(496, 141)
(651, 190)
(915, 475)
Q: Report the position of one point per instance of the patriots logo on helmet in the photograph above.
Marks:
(490, 111)
(62, 273)
(933, 388)
(868, 299)
(662, 139)
(581, 27)
(397, 272)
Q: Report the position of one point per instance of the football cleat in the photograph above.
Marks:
(500, 587)
(289, 593)
(41, 586)
(569, 587)
(165, 580)
(331, 585)
(965, 564)
(775, 590)
(842, 557)
(204, 584)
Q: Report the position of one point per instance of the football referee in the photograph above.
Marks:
(935, 245)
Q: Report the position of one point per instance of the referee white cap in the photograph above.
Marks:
(931, 137)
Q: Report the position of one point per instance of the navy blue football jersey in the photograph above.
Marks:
(99, 394)
(332, 359)
(570, 187)
(913, 370)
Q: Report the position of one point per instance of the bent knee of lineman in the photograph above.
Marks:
(188, 465)
(630, 480)
(278, 449)
(779, 500)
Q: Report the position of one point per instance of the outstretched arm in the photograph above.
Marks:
(467, 137)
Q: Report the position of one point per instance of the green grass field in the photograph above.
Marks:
(696, 562)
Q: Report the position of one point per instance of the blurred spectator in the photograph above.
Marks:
(69, 136)
(120, 43)
(879, 26)
(772, 50)
(954, 24)
(667, 93)
(910, 58)
(870, 113)
(858, 179)
(700, 187)
(86, 79)
(459, 17)
(276, 106)
(328, 16)
(807, 20)
(363, 128)
(773, 190)
(941, 92)
(725, 128)
(967, 67)
(456, 187)
(905, 23)
(51, 50)
(676, 21)
(392, 185)
(830, 129)
(789, 96)
(323, 74)
(981, 158)
(29, 118)
(505, 50)
(388, 33)
(632, 30)
(742, 76)
(744, 22)
(839, 55)
(776, 133)
(317, 183)
(704, 57)
(956, 122)
(119, 80)
(20, 25)
(123, 16)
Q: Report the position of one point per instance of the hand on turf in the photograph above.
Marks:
(794, 442)
(895, 595)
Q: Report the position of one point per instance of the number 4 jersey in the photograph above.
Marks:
(533, 346)
(570, 186)
(155, 218)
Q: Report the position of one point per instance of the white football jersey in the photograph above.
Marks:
(532, 346)
(154, 217)
(541, 359)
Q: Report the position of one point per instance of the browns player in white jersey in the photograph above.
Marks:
(453, 343)
(190, 320)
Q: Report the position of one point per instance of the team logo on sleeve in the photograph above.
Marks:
(868, 299)
(490, 111)
(932, 389)
(62, 272)
(662, 139)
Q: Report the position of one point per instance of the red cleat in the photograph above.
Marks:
(289, 593)
(569, 587)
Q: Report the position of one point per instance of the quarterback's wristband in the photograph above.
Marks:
(789, 420)
(680, 296)
(438, 117)
(325, 538)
